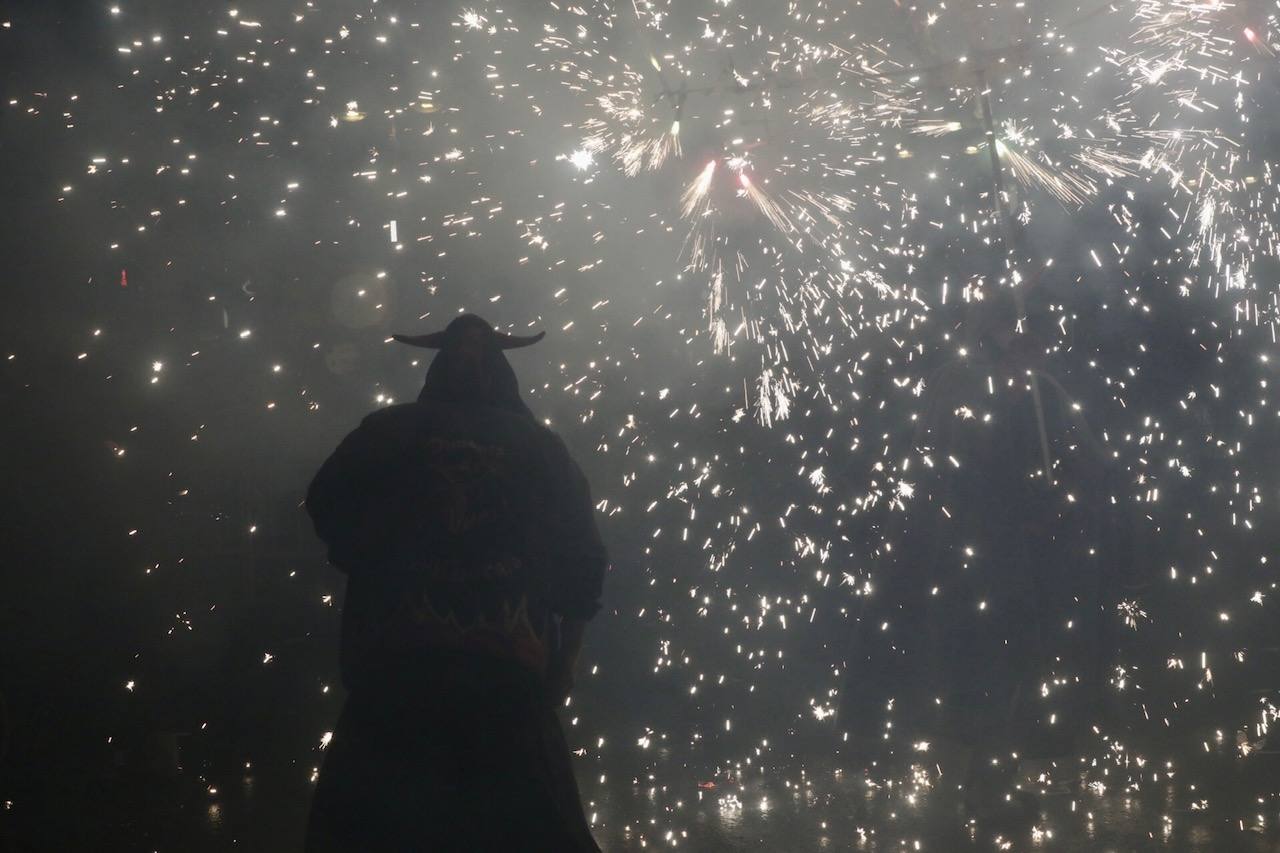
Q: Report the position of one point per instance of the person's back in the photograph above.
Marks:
(468, 536)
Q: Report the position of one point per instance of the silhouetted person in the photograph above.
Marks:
(469, 540)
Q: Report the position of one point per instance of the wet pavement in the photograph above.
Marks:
(823, 807)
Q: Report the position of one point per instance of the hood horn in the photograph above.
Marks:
(436, 340)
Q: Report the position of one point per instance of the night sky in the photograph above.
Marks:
(811, 338)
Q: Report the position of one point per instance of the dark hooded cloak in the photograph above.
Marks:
(465, 529)
(503, 392)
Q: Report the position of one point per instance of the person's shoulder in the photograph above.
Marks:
(394, 414)
(538, 428)
(515, 422)
(403, 419)
(554, 446)
(429, 415)
(521, 428)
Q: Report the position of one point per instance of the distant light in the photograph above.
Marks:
(582, 159)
